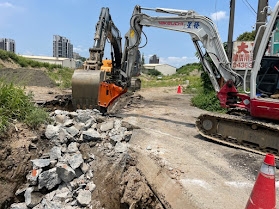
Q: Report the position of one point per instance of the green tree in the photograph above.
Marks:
(247, 36)
(82, 58)
(153, 72)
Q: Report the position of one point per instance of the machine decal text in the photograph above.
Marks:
(194, 25)
(171, 23)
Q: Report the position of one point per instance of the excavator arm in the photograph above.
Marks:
(201, 29)
(91, 87)
(85, 83)
(105, 29)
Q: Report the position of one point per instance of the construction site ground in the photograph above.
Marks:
(182, 168)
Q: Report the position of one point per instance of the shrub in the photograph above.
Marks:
(16, 105)
(3, 55)
(36, 117)
(154, 72)
(207, 101)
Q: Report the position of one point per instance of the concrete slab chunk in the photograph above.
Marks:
(84, 197)
(49, 179)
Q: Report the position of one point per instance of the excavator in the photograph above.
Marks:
(86, 81)
(254, 112)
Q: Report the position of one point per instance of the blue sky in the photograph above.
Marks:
(32, 24)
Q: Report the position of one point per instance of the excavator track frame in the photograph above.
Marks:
(240, 132)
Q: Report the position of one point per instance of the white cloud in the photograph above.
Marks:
(175, 61)
(218, 15)
(7, 5)
(9, 11)
(80, 49)
(77, 49)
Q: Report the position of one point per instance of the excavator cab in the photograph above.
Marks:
(107, 66)
(268, 77)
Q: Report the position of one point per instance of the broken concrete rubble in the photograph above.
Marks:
(63, 178)
(49, 179)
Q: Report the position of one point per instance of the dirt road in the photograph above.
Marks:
(181, 165)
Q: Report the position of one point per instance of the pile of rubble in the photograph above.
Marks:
(62, 177)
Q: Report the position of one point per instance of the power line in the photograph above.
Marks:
(216, 13)
(249, 6)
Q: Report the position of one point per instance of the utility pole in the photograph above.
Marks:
(261, 13)
(230, 32)
(261, 20)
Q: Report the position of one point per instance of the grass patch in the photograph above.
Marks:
(165, 81)
(62, 77)
(16, 105)
(188, 68)
(25, 62)
(200, 85)
(173, 81)
(207, 101)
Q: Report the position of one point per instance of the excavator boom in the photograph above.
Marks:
(86, 82)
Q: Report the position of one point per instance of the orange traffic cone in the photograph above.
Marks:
(179, 89)
(264, 194)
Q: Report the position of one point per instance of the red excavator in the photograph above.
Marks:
(252, 126)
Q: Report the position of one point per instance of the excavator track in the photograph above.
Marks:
(241, 132)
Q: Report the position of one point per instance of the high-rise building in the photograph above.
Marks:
(62, 47)
(7, 44)
(154, 60)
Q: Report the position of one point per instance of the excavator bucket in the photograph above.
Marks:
(85, 88)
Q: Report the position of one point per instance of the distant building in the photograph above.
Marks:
(7, 44)
(62, 47)
(165, 69)
(76, 55)
(64, 62)
(154, 59)
(79, 64)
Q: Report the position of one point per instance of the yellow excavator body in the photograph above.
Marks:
(107, 65)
